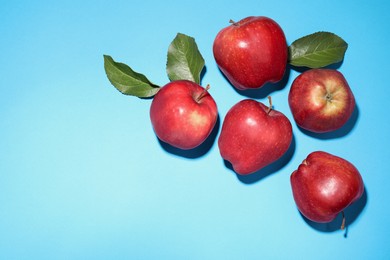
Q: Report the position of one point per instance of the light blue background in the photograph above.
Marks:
(82, 175)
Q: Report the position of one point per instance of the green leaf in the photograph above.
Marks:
(184, 59)
(127, 81)
(317, 50)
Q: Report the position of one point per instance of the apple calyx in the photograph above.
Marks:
(204, 92)
(328, 97)
(270, 105)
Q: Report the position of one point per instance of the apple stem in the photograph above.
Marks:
(343, 222)
(233, 22)
(270, 105)
(204, 92)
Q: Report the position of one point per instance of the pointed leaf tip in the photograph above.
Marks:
(127, 81)
(184, 61)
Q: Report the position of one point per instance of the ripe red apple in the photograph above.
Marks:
(251, 52)
(324, 185)
(183, 114)
(253, 136)
(321, 100)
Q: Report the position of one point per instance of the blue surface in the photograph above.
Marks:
(82, 175)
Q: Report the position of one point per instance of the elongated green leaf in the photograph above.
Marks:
(184, 59)
(317, 50)
(127, 81)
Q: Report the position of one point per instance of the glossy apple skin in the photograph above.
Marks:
(321, 100)
(252, 138)
(178, 118)
(251, 52)
(324, 185)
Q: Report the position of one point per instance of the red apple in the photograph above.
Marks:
(324, 185)
(183, 114)
(253, 136)
(251, 52)
(321, 100)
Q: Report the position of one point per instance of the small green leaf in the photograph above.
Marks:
(184, 59)
(127, 81)
(317, 50)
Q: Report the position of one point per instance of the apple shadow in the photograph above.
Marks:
(351, 213)
(268, 170)
(203, 72)
(198, 151)
(265, 90)
(341, 132)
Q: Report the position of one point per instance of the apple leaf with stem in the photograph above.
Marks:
(317, 50)
(184, 61)
(127, 81)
